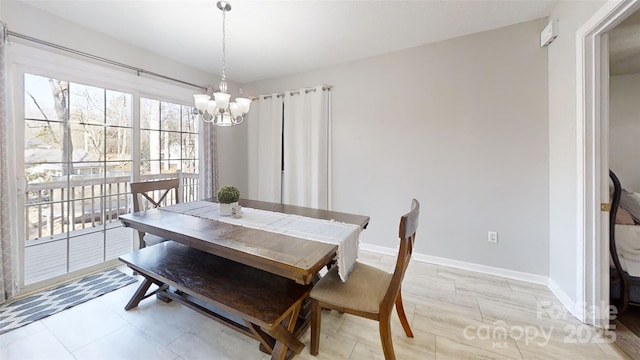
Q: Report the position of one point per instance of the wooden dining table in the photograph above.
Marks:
(287, 256)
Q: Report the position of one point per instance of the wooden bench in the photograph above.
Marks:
(256, 303)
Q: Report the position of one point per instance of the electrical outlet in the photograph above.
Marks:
(492, 236)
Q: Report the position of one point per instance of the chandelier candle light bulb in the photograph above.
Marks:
(220, 110)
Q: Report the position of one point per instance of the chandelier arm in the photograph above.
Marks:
(205, 118)
(235, 120)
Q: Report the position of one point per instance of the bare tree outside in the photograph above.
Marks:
(60, 91)
(56, 130)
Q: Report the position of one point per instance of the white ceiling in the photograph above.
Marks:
(266, 39)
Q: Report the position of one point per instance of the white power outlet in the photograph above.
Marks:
(492, 236)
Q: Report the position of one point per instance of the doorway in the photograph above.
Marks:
(593, 179)
(593, 122)
(624, 130)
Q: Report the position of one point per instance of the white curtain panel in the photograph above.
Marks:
(307, 148)
(7, 261)
(265, 149)
(209, 160)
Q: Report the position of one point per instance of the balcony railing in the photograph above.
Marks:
(73, 224)
(57, 207)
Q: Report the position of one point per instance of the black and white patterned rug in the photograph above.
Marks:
(35, 307)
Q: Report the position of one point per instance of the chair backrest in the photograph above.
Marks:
(157, 193)
(615, 203)
(407, 233)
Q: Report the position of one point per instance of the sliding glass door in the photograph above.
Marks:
(78, 162)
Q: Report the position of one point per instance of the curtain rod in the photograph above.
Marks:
(95, 57)
(296, 92)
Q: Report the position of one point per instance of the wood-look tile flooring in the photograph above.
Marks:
(627, 327)
(454, 314)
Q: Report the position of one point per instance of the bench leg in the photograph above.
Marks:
(139, 294)
(160, 294)
(267, 343)
(284, 336)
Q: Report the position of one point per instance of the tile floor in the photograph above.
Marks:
(454, 314)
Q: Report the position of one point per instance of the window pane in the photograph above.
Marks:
(119, 169)
(118, 144)
(40, 96)
(189, 166)
(170, 142)
(156, 167)
(176, 142)
(145, 153)
(149, 114)
(145, 167)
(189, 146)
(150, 144)
(86, 104)
(119, 109)
(88, 142)
(170, 117)
(88, 171)
(189, 120)
(42, 142)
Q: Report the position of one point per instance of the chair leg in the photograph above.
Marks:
(385, 336)
(403, 316)
(626, 293)
(315, 326)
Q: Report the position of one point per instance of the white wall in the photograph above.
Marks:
(563, 152)
(461, 125)
(27, 20)
(624, 130)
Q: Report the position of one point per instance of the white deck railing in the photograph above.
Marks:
(74, 224)
(58, 207)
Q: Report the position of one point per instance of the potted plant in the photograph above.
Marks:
(228, 197)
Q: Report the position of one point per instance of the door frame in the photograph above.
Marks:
(593, 162)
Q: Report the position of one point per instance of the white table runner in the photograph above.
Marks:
(346, 236)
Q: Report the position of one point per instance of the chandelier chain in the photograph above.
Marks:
(224, 46)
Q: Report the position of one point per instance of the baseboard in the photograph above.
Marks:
(379, 249)
(561, 295)
(463, 265)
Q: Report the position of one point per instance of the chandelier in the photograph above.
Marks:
(219, 110)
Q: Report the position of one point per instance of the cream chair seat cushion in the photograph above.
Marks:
(364, 289)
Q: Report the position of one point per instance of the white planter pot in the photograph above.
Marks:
(226, 209)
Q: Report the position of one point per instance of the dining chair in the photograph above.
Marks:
(624, 288)
(368, 292)
(151, 195)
